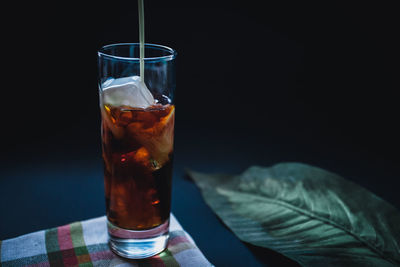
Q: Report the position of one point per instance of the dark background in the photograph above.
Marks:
(257, 83)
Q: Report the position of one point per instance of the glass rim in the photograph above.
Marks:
(172, 53)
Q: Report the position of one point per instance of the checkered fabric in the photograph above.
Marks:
(85, 244)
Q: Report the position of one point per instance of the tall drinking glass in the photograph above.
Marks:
(137, 142)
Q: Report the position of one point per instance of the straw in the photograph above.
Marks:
(141, 38)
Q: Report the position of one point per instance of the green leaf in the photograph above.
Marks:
(308, 214)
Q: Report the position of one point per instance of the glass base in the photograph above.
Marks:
(138, 244)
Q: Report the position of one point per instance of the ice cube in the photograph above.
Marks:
(158, 140)
(127, 91)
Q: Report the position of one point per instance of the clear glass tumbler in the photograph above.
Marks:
(137, 143)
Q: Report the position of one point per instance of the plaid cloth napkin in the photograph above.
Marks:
(85, 244)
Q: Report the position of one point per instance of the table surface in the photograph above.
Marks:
(50, 189)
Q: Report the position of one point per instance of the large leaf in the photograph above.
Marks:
(308, 214)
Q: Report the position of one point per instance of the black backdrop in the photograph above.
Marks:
(323, 71)
(316, 81)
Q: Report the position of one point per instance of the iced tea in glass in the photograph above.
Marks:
(137, 132)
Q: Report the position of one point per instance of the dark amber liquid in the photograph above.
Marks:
(137, 154)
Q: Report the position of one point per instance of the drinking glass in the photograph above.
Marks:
(137, 129)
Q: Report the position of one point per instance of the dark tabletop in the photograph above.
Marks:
(40, 190)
